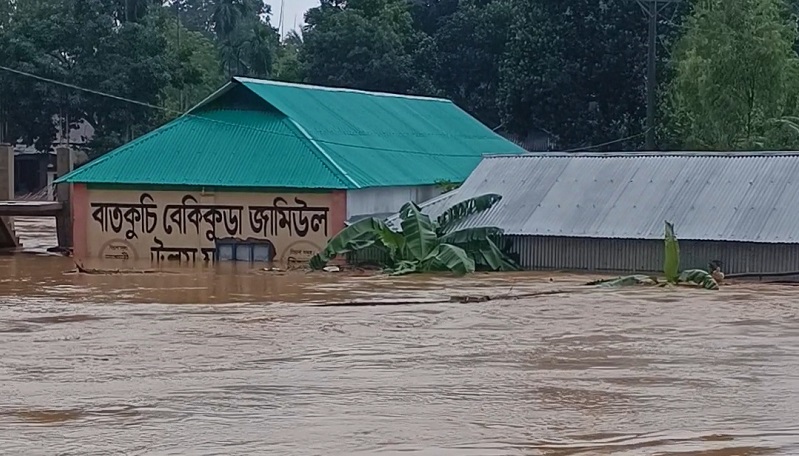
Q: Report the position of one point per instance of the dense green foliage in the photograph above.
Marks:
(136, 49)
(575, 69)
(736, 76)
(426, 245)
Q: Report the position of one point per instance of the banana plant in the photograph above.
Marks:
(671, 269)
(426, 245)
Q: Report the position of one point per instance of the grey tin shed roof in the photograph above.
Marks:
(708, 196)
(432, 207)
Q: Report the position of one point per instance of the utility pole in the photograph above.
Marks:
(652, 9)
(280, 23)
(180, 64)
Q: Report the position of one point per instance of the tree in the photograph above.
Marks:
(197, 15)
(81, 43)
(287, 63)
(425, 245)
(363, 44)
(226, 15)
(151, 60)
(428, 15)
(466, 51)
(247, 42)
(577, 68)
(736, 71)
(193, 61)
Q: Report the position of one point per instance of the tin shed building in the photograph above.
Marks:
(263, 170)
(607, 211)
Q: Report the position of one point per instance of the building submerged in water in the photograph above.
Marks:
(268, 171)
(606, 212)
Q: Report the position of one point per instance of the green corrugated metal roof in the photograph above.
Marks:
(304, 137)
(219, 148)
(384, 139)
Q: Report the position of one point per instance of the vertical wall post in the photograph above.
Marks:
(6, 172)
(64, 165)
(8, 238)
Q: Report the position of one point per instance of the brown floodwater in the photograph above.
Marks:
(239, 361)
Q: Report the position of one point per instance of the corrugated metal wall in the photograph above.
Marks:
(539, 252)
(369, 255)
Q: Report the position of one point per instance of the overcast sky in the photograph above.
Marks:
(293, 9)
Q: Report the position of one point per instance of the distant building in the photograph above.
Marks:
(35, 170)
(534, 140)
(266, 171)
(606, 211)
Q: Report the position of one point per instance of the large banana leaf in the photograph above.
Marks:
(418, 231)
(360, 235)
(465, 208)
(488, 256)
(482, 244)
(406, 209)
(447, 257)
(467, 235)
(699, 277)
(671, 262)
(405, 267)
(625, 281)
(500, 260)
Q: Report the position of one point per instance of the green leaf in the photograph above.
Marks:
(506, 263)
(404, 211)
(467, 235)
(671, 262)
(699, 277)
(481, 244)
(405, 267)
(461, 210)
(418, 231)
(447, 257)
(360, 235)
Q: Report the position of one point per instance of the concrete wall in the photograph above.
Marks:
(386, 199)
(65, 161)
(6, 172)
(8, 238)
(586, 254)
(195, 227)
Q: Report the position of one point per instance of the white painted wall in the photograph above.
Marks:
(368, 201)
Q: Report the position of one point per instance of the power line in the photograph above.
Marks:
(83, 89)
(594, 146)
(173, 111)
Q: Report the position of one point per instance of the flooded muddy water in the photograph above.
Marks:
(238, 361)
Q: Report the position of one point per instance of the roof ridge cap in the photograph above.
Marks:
(338, 89)
(327, 158)
(316, 149)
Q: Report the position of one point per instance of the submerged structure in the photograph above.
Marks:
(605, 212)
(268, 171)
